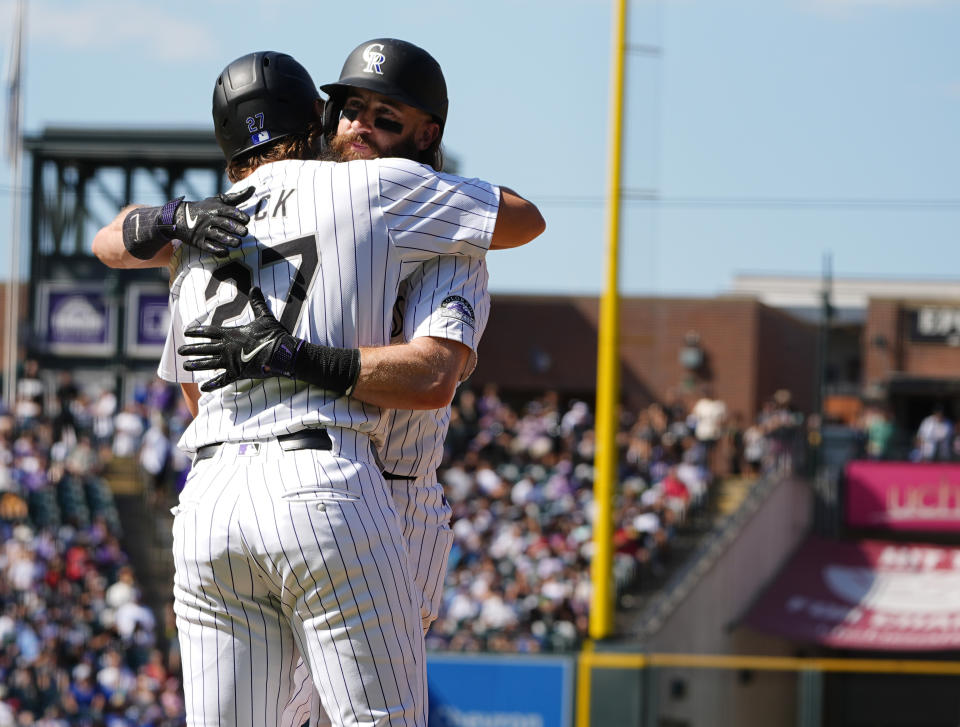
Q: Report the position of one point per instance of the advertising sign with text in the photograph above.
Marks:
(866, 595)
(505, 691)
(909, 496)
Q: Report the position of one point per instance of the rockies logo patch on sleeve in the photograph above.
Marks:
(454, 306)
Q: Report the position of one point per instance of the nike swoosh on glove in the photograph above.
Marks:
(213, 225)
(260, 349)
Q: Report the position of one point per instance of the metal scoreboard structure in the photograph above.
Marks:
(81, 314)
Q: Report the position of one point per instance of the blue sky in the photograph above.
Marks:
(771, 132)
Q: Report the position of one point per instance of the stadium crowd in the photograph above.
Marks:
(78, 645)
(520, 482)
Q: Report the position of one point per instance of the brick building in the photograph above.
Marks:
(743, 349)
(911, 354)
(891, 341)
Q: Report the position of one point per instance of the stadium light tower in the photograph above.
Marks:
(608, 357)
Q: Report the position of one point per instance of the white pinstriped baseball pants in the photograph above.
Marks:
(285, 553)
(425, 520)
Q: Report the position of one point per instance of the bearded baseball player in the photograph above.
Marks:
(328, 244)
(447, 299)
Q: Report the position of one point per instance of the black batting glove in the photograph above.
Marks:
(263, 349)
(213, 225)
(260, 349)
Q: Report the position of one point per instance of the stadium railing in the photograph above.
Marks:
(690, 690)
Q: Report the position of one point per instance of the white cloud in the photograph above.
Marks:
(149, 29)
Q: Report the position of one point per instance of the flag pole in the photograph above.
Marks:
(14, 152)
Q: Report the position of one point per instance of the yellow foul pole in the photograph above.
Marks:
(608, 357)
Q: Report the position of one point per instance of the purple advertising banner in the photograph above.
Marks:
(148, 318)
(909, 496)
(865, 595)
(77, 319)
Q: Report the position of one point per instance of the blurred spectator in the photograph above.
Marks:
(114, 677)
(781, 424)
(7, 716)
(675, 494)
(879, 427)
(128, 430)
(102, 412)
(82, 460)
(123, 591)
(934, 437)
(754, 448)
(155, 456)
(709, 416)
(30, 386)
(735, 445)
(65, 423)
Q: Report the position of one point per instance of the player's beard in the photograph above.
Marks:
(341, 149)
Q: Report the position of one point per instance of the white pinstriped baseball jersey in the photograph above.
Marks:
(446, 298)
(346, 235)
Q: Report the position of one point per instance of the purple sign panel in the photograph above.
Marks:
(77, 320)
(154, 319)
(148, 318)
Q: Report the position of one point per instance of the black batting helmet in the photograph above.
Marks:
(259, 98)
(395, 68)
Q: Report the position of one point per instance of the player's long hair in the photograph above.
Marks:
(433, 155)
(304, 146)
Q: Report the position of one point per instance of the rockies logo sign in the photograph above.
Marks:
(374, 57)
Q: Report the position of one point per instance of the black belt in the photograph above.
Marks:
(304, 439)
(391, 476)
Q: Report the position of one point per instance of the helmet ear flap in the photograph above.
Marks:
(331, 114)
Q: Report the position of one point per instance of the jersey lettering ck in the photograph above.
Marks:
(329, 245)
(446, 298)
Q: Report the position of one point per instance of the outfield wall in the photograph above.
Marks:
(705, 621)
